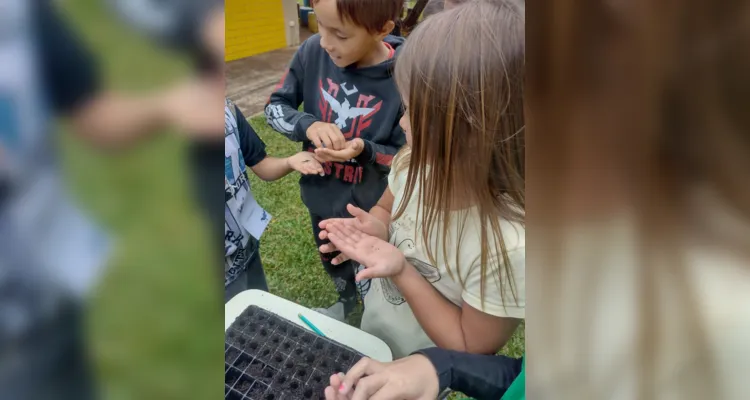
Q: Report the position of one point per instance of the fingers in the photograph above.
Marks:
(365, 366)
(314, 167)
(325, 137)
(356, 212)
(347, 231)
(329, 155)
(336, 380)
(367, 387)
(340, 243)
(330, 137)
(323, 155)
(315, 138)
(333, 394)
(366, 274)
(339, 141)
(339, 259)
(334, 155)
(327, 248)
(305, 163)
(324, 224)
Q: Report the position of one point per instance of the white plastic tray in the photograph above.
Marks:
(363, 342)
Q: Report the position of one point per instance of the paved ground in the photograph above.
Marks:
(251, 80)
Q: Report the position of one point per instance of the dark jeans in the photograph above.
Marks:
(252, 278)
(50, 361)
(342, 274)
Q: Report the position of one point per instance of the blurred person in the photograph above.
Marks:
(435, 6)
(343, 75)
(245, 219)
(428, 373)
(50, 253)
(445, 245)
(194, 28)
(639, 200)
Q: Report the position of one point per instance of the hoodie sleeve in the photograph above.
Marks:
(382, 154)
(478, 376)
(282, 112)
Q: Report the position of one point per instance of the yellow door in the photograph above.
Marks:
(253, 27)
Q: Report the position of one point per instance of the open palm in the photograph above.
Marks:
(380, 258)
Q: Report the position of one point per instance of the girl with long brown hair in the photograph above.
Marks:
(449, 269)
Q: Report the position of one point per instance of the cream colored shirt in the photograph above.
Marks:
(602, 298)
(389, 317)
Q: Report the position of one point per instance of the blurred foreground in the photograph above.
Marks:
(153, 321)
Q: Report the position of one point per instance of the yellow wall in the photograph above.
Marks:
(253, 27)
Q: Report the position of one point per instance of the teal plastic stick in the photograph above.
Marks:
(310, 325)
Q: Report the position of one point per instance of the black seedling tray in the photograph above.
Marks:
(269, 358)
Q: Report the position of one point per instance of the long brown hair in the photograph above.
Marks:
(634, 107)
(461, 73)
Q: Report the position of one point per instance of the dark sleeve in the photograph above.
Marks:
(253, 148)
(382, 154)
(478, 376)
(68, 69)
(282, 109)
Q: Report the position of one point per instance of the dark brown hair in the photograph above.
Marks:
(462, 73)
(369, 14)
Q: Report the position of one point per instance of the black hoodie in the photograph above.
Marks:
(363, 102)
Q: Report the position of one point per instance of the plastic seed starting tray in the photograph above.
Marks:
(267, 357)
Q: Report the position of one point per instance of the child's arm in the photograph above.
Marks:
(383, 209)
(282, 112)
(272, 168)
(449, 326)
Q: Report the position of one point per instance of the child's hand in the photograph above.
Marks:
(413, 377)
(194, 107)
(353, 149)
(380, 258)
(362, 221)
(323, 134)
(305, 163)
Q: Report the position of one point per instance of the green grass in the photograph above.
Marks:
(288, 240)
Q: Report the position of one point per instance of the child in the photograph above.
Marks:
(453, 269)
(245, 220)
(350, 119)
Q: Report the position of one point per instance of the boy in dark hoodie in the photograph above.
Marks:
(343, 75)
